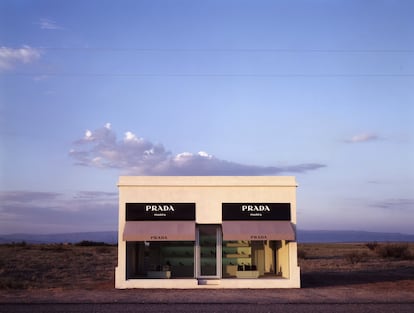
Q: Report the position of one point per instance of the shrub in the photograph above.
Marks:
(53, 247)
(10, 283)
(87, 243)
(372, 245)
(396, 251)
(302, 254)
(21, 244)
(356, 257)
(103, 249)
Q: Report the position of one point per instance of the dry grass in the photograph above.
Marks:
(53, 266)
(346, 264)
(92, 267)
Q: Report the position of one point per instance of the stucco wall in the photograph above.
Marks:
(208, 192)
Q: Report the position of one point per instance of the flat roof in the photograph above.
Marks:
(210, 181)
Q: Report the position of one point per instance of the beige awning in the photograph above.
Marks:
(258, 230)
(159, 231)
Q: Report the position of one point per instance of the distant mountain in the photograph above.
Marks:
(303, 236)
(110, 237)
(350, 236)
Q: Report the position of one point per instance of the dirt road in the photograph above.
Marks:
(216, 307)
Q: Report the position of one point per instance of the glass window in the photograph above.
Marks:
(160, 259)
(207, 239)
(255, 259)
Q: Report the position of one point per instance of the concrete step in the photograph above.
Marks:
(205, 281)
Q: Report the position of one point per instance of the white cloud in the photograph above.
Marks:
(363, 137)
(10, 57)
(88, 135)
(135, 155)
(205, 154)
(129, 136)
(49, 24)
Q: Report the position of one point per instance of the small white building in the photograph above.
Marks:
(207, 232)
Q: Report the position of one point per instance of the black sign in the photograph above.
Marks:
(160, 212)
(256, 211)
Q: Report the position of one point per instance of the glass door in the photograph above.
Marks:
(209, 251)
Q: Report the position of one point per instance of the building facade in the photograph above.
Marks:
(207, 232)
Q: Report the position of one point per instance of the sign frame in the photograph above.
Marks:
(256, 211)
(157, 211)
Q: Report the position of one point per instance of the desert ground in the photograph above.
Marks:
(374, 273)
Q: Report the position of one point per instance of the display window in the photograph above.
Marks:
(160, 259)
(255, 259)
(239, 259)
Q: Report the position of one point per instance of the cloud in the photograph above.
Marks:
(93, 195)
(31, 211)
(46, 23)
(363, 137)
(53, 200)
(101, 148)
(395, 204)
(27, 196)
(40, 78)
(10, 57)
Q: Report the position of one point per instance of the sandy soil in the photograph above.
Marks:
(341, 273)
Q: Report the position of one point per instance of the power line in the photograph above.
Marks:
(252, 50)
(195, 75)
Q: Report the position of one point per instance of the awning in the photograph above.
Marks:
(159, 231)
(258, 230)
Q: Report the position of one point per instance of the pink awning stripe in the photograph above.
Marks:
(258, 230)
(159, 231)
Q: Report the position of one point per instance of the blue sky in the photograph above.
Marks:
(322, 90)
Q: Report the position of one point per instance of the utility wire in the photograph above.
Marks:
(247, 75)
(270, 50)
